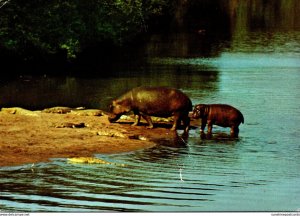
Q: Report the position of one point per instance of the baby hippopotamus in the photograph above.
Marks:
(218, 114)
(153, 101)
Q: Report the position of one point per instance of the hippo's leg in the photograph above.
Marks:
(186, 123)
(176, 117)
(137, 119)
(209, 127)
(203, 135)
(234, 131)
(203, 125)
(149, 121)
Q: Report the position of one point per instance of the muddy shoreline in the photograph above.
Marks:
(37, 136)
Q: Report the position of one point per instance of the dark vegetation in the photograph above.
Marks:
(79, 36)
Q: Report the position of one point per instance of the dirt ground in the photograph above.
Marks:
(36, 136)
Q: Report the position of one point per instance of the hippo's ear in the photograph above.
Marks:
(202, 108)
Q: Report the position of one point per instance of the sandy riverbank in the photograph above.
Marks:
(36, 136)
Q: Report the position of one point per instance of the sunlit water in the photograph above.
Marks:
(259, 171)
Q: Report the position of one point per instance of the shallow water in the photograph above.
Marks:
(259, 171)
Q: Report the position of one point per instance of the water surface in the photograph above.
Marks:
(259, 171)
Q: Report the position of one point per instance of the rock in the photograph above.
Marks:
(127, 118)
(111, 133)
(154, 119)
(138, 137)
(81, 111)
(19, 111)
(69, 125)
(160, 119)
(61, 110)
(87, 112)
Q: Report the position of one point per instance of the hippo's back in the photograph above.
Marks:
(227, 110)
(160, 101)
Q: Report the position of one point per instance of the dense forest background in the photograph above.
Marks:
(61, 36)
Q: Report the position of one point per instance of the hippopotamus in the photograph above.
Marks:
(218, 114)
(153, 101)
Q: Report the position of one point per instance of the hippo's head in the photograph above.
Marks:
(116, 109)
(113, 117)
(199, 111)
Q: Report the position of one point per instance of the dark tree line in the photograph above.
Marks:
(59, 30)
(39, 34)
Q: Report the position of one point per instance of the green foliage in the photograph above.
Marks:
(117, 21)
(44, 26)
(50, 26)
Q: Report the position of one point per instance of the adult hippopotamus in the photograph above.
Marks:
(153, 101)
(218, 114)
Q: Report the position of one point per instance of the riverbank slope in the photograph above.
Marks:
(37, 136)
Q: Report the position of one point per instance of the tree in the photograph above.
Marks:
(50, 26)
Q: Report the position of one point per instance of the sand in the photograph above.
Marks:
(37, 136)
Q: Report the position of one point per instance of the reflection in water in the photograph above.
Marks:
(279, 43)
(253, 15)
(208, 27)
(39, 93)
(183, 45)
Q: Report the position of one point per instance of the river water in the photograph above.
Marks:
(258, 73)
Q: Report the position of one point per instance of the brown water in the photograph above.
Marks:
(260, 171)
